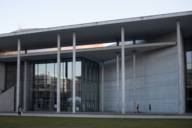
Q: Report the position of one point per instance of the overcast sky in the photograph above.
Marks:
(20, 14)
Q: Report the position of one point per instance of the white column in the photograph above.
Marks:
(74, 73)
(134, 81)
(18, 75)
(118, 84)
(123, 70)
(25, 87)
(58, 71)
(181, 69)
(102, 87)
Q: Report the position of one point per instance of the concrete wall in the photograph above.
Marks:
(2, 77)
(7, 100)
(156, 83)
(6, 94)
(111, 93)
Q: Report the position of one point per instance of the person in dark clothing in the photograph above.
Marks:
(19, 110)
(138, 108)
(150, 107)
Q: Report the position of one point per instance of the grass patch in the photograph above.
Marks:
(61, 122)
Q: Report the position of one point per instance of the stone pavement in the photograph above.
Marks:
(102, 115)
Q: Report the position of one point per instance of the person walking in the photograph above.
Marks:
(138, 108)
(19, 110)
(149, 107)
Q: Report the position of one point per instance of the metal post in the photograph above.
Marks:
(25, 87)
(74, 74)
(117, 80)
(58, 71)
(123, 70)
(181, 69)
(102, 87)
(18, 76)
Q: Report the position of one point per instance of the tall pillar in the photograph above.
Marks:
(181, 69)
(134, 82)
(18, 76)
(102, 87)
(74, 74)
(25, 87)
(118, 84)
(123, 70)
(58, 71)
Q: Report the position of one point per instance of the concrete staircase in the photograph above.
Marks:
(7, 100)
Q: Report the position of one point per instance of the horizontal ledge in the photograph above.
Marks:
(136, 47)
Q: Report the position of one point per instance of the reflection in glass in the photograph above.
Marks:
(44, 87)
(66, 86)
(89, 88)
(188, 66)
(45, 82)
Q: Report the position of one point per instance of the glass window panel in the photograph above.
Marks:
(189, 105)
(139, 41)
(63, 73)
(50, 69)
(189, 92)
(44, 88)
(189, 57)
(189, 79)
(36, 69)
(66, 90)
(189, 66)
(50, 75)
(69, 70)
(42, 69)
(127, 42)
(89, 83)
(44, 97)
(78, 68)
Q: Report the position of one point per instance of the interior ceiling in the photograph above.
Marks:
(141, 29)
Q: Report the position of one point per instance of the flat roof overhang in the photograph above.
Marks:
(99, 32)
(96, 54)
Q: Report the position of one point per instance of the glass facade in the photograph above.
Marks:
(45, 83)
(90, 87)
(44, 87)
(188, 61)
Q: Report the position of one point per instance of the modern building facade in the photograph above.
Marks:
(122, 66)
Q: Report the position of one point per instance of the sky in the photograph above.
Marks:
(21, 14)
